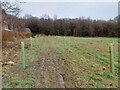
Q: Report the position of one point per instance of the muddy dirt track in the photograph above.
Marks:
(47, 67)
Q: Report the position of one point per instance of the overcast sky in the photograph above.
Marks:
(94, 10)
(70, 0)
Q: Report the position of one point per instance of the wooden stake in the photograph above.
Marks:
(112, 68)
(30, 42)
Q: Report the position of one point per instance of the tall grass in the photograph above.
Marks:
(12, 35)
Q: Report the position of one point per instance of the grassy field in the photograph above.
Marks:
(64, 62)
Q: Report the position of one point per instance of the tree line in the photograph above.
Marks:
(62, 27)
(72, 27)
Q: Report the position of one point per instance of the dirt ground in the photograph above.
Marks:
(42, 68)
(11, 51)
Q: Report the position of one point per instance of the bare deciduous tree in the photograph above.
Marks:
(11, 7)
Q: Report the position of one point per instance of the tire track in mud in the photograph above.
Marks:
(50, 67)
(58, 65)
(58, 72)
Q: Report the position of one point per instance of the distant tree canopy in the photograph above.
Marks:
(72, 27)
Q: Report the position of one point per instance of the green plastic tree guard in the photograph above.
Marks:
(23, 55)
